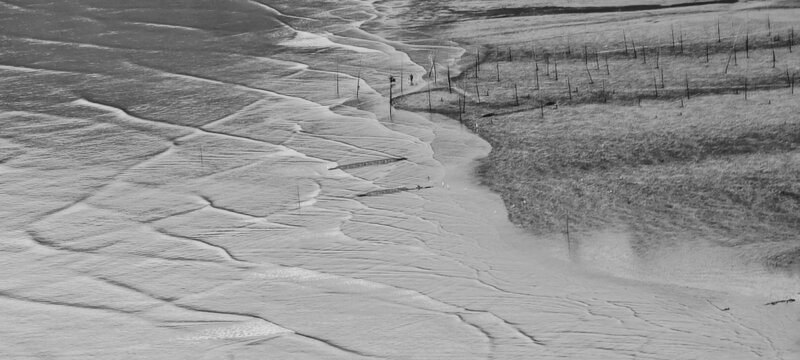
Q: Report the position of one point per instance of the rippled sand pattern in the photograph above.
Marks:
(169, 192)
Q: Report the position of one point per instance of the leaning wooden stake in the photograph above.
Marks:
(516, 97)
(719, 33)
(590, 75)
(202, 162)
(662, 78)
(608, 72)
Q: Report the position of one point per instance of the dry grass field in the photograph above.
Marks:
(608, 121)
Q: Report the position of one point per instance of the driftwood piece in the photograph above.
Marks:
(392, 191)
(368, 163)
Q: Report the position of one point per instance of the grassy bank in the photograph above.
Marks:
(669, 141)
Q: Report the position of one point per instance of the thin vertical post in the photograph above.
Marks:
(658, 56)
(477, 62)
(449, 85)
(516, 97)
(604, 91)
(541, 107)
(477, 93)
(433, 68)
(547, 64)
(625, 42)
(401, 78)
(569, 89)
(569, 46)
(644, 54)
(430, 106)
(569, 243)
(555, 68)
(686, 77)
(655, 85)
(358, 81)
(672, 32)
(769, 28)
(585, 55)
(596, 61)
(773, 58)
(747, 45)
(745, 87)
